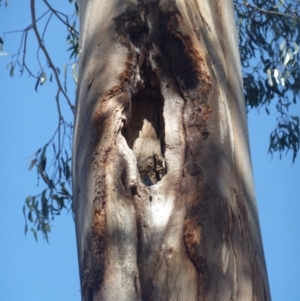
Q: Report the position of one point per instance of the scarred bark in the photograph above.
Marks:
(163, 192)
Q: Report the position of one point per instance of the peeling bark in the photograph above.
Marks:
(163, 191)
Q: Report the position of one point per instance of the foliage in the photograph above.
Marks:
(40, 209)
(269, 32)
(55, 177)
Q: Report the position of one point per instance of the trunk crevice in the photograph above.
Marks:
(144, 127)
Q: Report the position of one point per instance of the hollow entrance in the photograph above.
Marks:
(144, 132)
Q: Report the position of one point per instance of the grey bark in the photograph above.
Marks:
(164, 199)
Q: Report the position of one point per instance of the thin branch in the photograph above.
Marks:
(41, 45)
(28, 70)
(269, 12)
(61, 19)
(46, 26)
(29, 26)
(23, 40)
(24, 54)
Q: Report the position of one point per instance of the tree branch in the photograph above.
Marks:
(246, 3)
(41, 45)
(59, 17)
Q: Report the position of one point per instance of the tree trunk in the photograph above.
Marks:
(163, 192)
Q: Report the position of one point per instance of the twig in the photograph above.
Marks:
(59, 17)
(41, 45)
(270, 11)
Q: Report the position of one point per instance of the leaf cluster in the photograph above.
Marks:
(269, 35)
(40, 209)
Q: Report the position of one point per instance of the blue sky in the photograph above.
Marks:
(38, 271)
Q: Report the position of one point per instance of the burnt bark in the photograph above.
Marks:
(163, 191)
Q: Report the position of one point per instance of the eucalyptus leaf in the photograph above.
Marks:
(276, 74)
(32, 163)
(74, 72)
(270, 81)
(11, 72)
(34, 234)
(281, 3)
(296, 47)
(287, 58)
(43, 78)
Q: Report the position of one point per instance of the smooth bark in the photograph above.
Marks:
(163, 192)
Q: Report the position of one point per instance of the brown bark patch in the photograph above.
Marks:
(114, 91)
(126, 75)
(205, 111)
(192, 232)
(93, 269)
(99, 115)
(192, 239)
(187, 64)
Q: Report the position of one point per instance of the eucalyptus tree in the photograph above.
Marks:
(162, 185)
